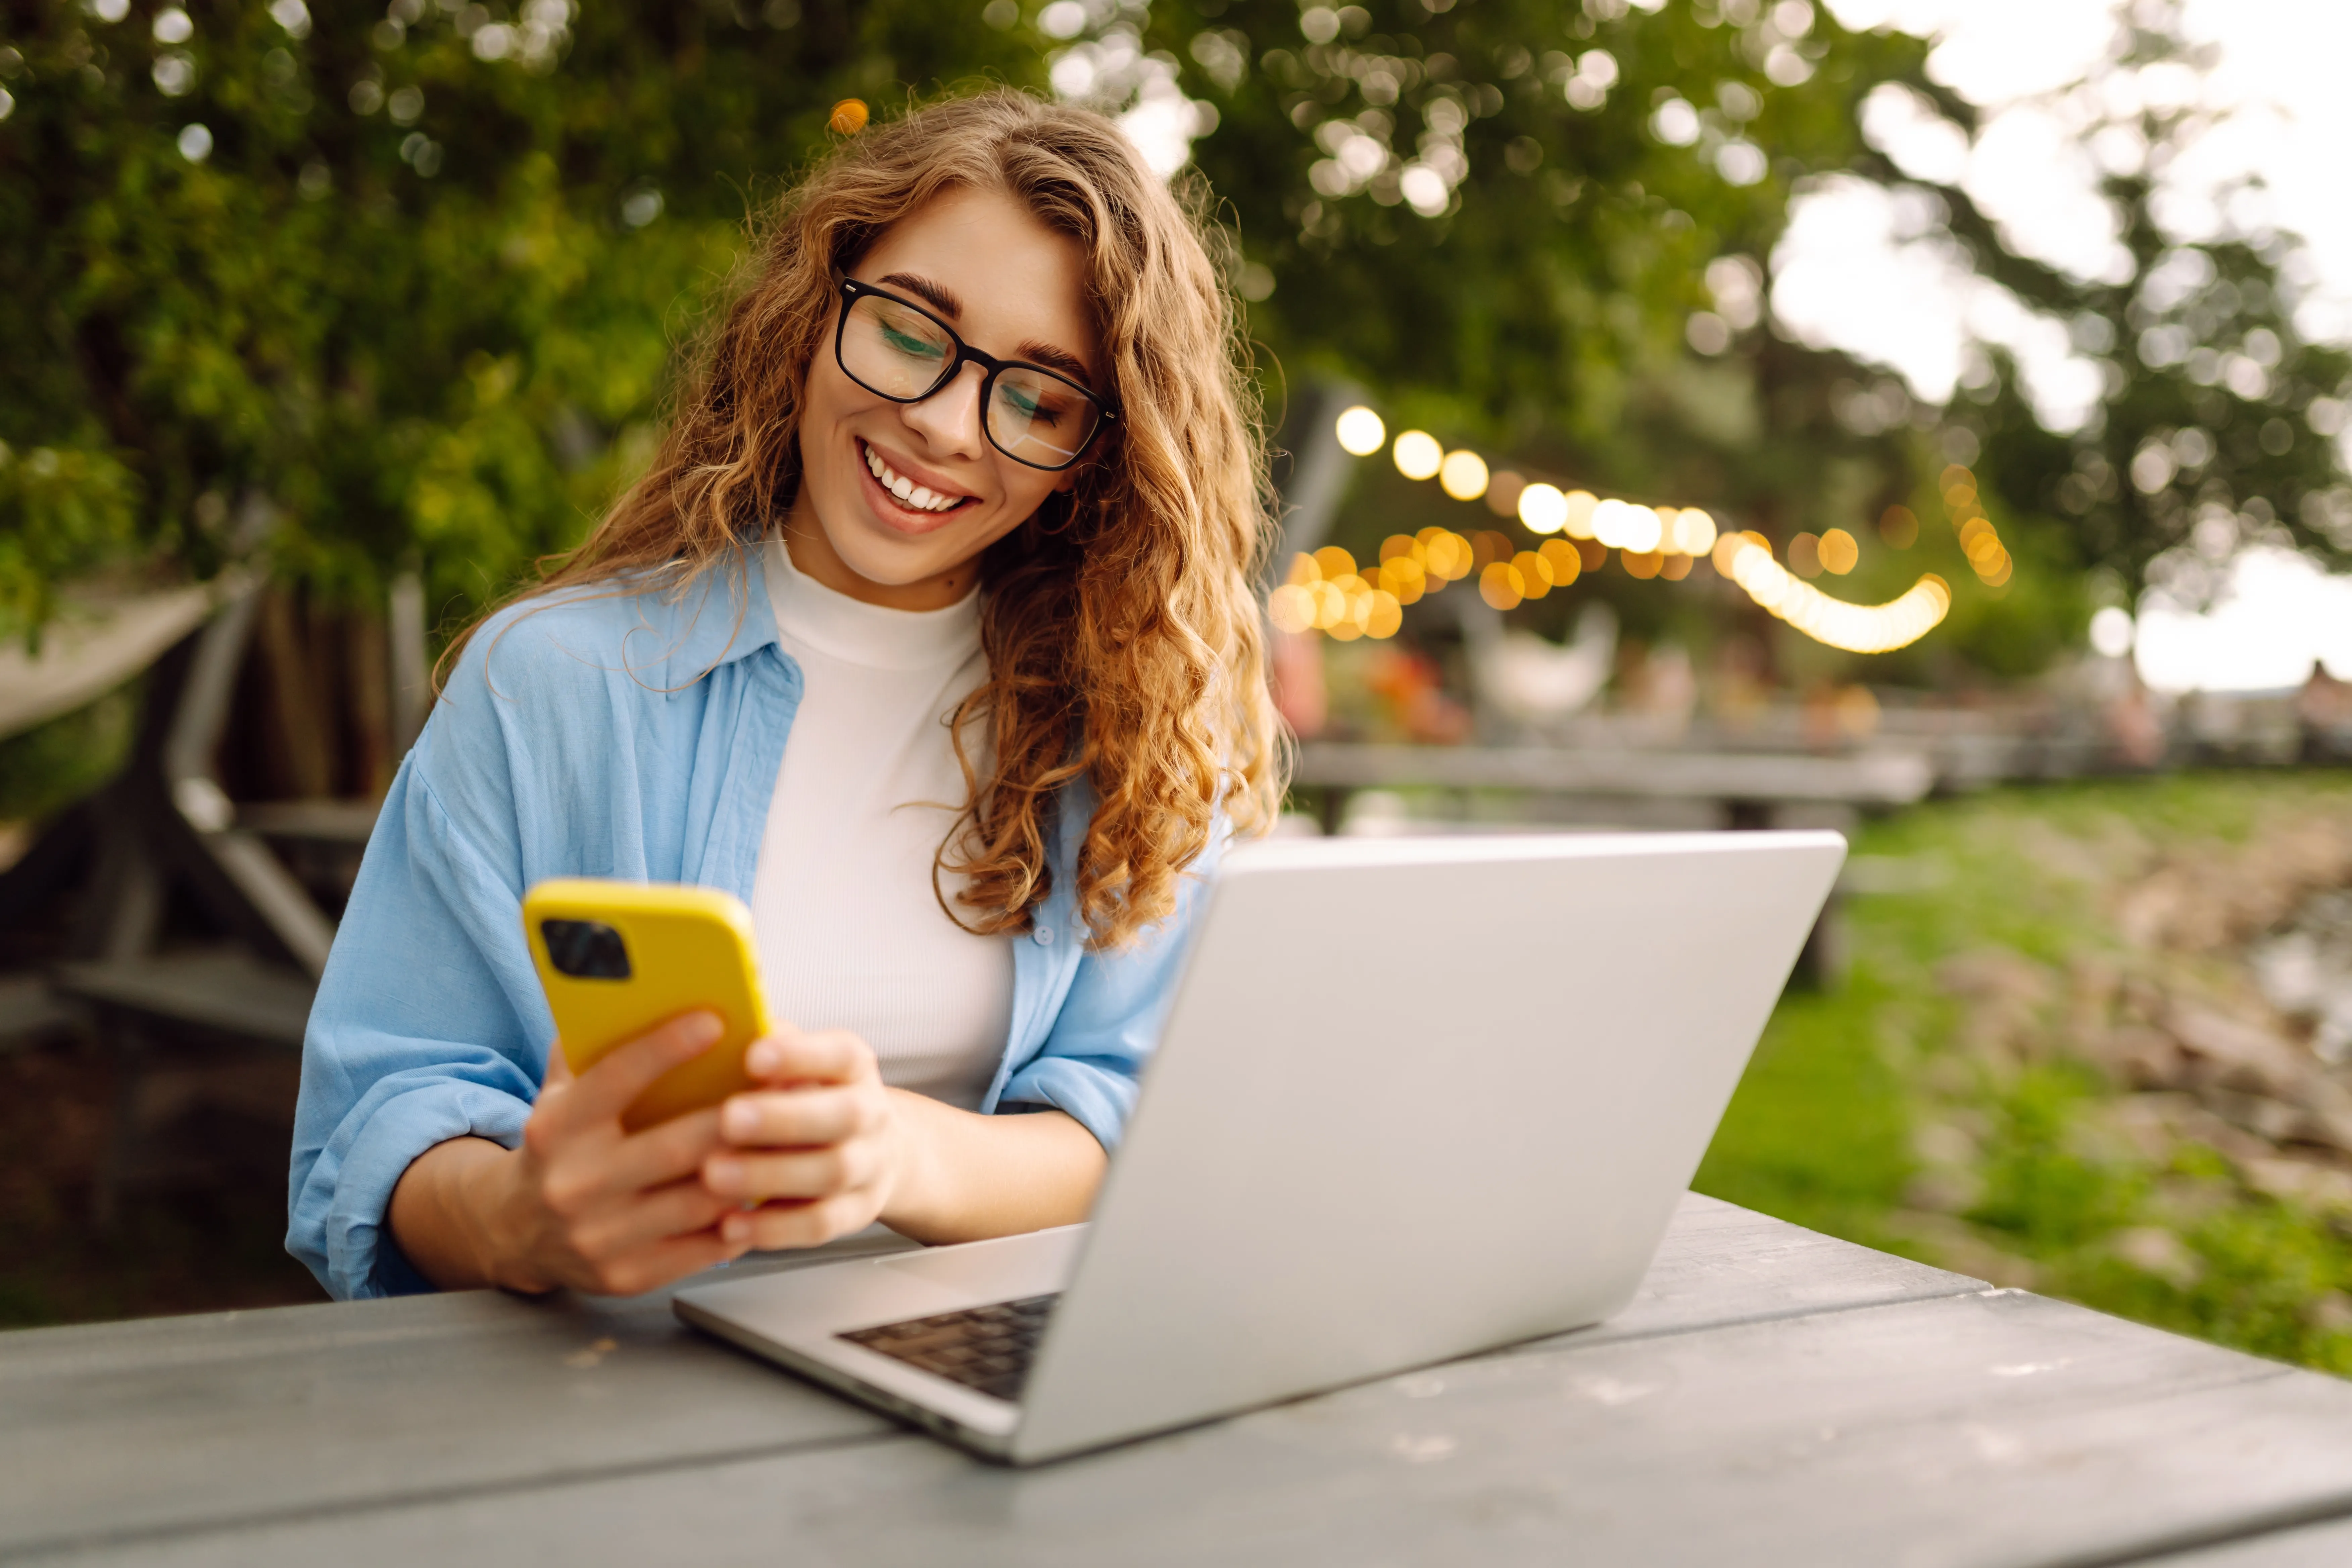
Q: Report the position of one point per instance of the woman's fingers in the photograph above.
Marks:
(671, 1152)
(776, 1225)
(606, 1089)
(796, 1118)
(654, 1267)
(796, 1173)
(680, 1209)
(793, 1056)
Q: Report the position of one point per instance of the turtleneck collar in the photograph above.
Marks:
(852, 630)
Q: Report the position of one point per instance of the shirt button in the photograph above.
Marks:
(1043, 933)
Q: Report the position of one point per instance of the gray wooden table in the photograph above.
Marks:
(1773, 1397)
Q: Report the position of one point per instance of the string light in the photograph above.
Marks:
(1987, 557)
(1361, 432)
(1325, 591)
(1463, 475)
(1748, 561)
(1418, 455)
(1543, 509)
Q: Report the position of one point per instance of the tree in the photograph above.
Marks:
(2215, 421)
(409, 278)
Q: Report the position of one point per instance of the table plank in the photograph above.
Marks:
(1721, 1264)
(127, 1431)
(131, 1429)
(1995, 1429)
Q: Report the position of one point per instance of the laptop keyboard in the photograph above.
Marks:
(987, 1348)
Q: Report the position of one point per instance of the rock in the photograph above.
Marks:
(2231, 1052)
(2143, 1057)
(2006, 996)
(2307, 1181)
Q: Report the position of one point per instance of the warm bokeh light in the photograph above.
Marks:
(1856, 628)
(1291, 607)
(1327, 592)
(1361, 432)
(1463, 475)
(1324, 593)
(1418, 455)
(1543, 509)
(1500, 585)
(1448, 554)
(848, 117)
(1503, 490)
(1643, 529)
(1404, 578)
(1580, 507)
(1840, 553)
(1535, 573)
(1609, 520)
(1805, 555)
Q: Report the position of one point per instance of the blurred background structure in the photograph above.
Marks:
(1921, 418)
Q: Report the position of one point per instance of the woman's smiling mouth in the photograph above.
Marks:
(905, 491)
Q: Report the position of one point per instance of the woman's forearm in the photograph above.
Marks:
(445, 1215)
(966, 1177)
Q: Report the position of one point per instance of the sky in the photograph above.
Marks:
(1864, 271)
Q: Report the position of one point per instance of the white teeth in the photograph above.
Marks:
(919, 497)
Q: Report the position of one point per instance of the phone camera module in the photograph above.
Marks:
(586, 950)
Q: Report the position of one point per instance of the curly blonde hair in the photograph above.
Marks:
(1120, 623)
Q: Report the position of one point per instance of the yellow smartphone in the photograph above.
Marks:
(616, 959)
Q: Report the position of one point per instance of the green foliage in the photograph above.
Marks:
(61, 512)
(51, 765)
(2215, 426)
(1820, 1130)
(419, 288)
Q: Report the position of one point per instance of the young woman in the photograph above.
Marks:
(931, 634)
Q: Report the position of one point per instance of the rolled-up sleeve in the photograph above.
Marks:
(1091, 1063)
(429, 1026)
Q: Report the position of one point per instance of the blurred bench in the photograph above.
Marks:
(1626, 788)
(166, 823)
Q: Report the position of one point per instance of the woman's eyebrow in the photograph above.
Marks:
(1052, 358)
(940, 298)
(936, 296)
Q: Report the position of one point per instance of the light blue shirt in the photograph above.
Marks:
(611, 733)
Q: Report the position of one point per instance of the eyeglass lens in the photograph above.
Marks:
(1032, 417)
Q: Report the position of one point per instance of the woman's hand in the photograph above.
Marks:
(583, 1202)
(816, 1154)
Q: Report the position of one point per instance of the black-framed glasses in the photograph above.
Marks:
(896, 349)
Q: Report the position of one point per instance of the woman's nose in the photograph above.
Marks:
(949, 419)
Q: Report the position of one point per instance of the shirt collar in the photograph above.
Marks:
(720, 617)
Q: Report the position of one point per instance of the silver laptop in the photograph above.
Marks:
(1416, 1098)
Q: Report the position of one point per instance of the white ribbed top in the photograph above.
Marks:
(850, 933)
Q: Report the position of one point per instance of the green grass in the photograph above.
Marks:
(1825, 1128)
